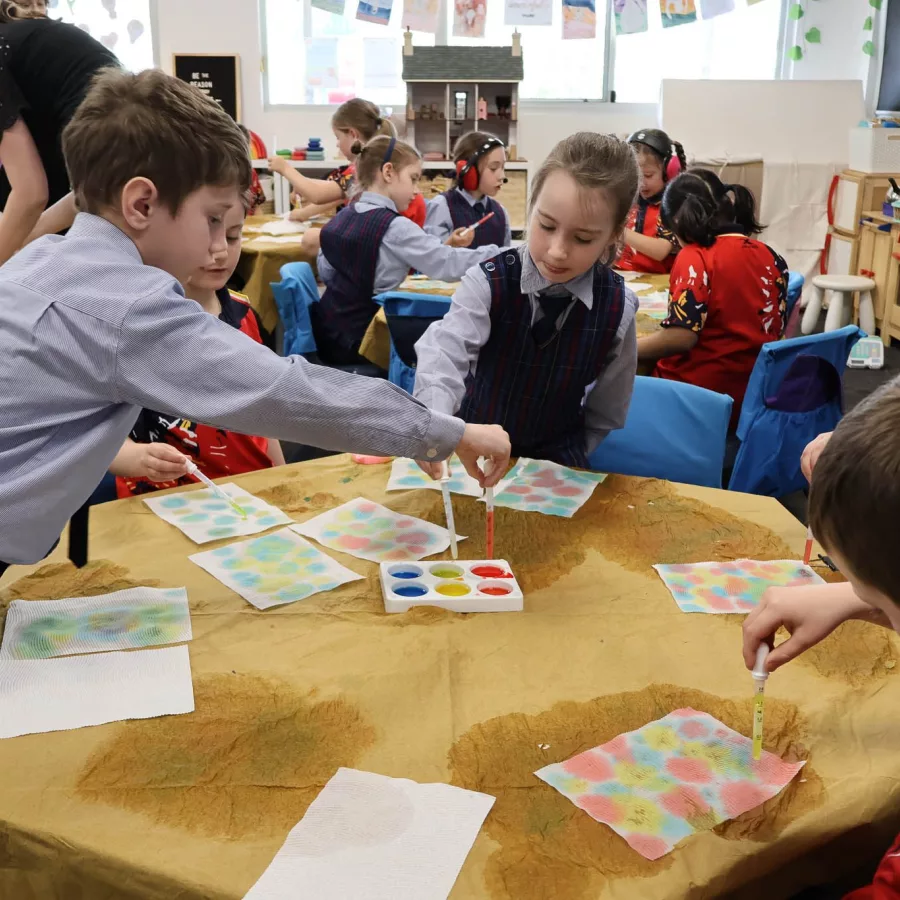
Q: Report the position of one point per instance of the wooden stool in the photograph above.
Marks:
(840, 307)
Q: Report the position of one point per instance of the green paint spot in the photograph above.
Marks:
(795, 53)
(814, 36)
(346, 480)
(796, 12)
(868, 25)
(875, 4)
(869, 48)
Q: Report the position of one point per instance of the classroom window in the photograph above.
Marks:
(125, 26)
(742, 44)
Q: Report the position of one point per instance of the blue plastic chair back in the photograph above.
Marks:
(795, 289)
(673, 431)
(408, 316)
(294, 294)
(790, 399)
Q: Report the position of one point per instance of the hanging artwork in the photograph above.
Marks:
(631, 16)
(469, 18)
(579, 20)
(528, 12)
(378, 12)
(336, 7)
(655, 786)
(322, 62)
(709, 9)
(677, 12)
(421, 15)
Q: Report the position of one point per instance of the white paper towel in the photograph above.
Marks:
(370, 837)
(38, 695)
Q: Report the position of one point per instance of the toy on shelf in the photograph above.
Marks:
(482, 108)
(315, 150)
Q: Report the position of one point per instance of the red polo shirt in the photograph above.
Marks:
(644, 219)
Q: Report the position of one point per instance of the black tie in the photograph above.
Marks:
(544, 330)
(479, 209)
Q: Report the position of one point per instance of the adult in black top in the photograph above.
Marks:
(47, 69)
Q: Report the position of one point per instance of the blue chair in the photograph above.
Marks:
(408, 317)
(673, 431)
(795, 289)
(794, 394)
(294, 295)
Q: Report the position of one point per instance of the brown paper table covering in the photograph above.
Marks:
(194, 807)
(260, 265)
(376, 344)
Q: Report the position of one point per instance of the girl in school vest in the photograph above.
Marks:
(649, 246)
(368, 248)
(480, 160)
(728, 291)
(542, 339)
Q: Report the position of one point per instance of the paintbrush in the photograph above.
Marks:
(481, 221)
(759, 679)
(807, 553)
(448, 507)
(193, 470)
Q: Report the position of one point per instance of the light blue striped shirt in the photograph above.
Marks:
(439, 222)
(89, 335)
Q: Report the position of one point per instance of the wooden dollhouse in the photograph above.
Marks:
(452, 90)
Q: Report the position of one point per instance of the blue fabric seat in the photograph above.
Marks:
(673, 431)
(294, 295)
(408, 317)
(795, 289)
(794, 394)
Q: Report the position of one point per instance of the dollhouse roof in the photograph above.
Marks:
(461, 64)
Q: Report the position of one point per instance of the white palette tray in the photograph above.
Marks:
(486, 585)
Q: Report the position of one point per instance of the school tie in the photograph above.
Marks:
(544, 330)
(479, 209)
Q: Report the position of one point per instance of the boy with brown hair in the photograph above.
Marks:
(854, 506)
(95, 325)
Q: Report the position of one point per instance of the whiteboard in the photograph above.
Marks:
(778, 121)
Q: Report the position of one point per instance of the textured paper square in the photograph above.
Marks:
(274, 569)
(374, 532)
(39, 695)
(712, 8)
(203, 516)
(369, 837)
(421, 15)
(407, 476)
(469, 18)
(677, 12)
(124, 620)
(731, 587)
(631, 16)
(579, 20)
(535, 485)
(683, 773)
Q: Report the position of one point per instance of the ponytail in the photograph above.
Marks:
(744, 209)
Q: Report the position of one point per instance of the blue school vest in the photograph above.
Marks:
(351, 242)
(537, 393)
(463, 214)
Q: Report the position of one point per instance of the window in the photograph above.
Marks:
(122, 25)
(740, 44)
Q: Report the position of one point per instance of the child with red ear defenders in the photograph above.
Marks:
(480, 162)
(649, 246)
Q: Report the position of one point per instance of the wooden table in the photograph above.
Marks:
(376, 343)
(196, 806)
(260, 265)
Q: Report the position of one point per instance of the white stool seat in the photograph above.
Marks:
(851, 283)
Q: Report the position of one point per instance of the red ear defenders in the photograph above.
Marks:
(467, 174)
(658, 141)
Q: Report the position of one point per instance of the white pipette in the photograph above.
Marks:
(760, 676)
(192, 469)
(448, 507)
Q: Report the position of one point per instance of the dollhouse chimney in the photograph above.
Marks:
(517, 44)
(407, 43)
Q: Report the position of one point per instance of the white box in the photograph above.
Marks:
(875, 150)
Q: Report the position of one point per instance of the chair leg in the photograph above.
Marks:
(834, 319)
(812, 311)
(866, 313)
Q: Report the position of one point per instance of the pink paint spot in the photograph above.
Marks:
(740, 796)
(735, 586)
(416, 551)
(567, 492)
(589, 765)
(679, 568)
(693, 771)
(352, 542)
(648, 847)
(720, 603)
(519, 489)
(405, 523)
(367, 507)
(694, 579)
(685, 713)
(603, 809)
(770, 769)
(693, 729)
(618, 749)
(412, 537)
(684, 802)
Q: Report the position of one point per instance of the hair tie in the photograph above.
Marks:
(378, 121)
(729, 188)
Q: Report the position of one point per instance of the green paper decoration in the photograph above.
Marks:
(868, 25)
(795, 53)
(796, 11)
(875, 4)
(869, 48)
(814, 36)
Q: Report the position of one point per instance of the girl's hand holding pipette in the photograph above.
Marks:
(462, 237)
(488, 441)
(157, 462)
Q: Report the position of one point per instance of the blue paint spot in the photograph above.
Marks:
(173, 502)
(410, 590)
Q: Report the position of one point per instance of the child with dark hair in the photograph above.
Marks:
(728, 290)
(541, 338)
(368, 248)
(650, 246)
(480, 160)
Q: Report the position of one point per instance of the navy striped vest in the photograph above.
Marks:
(537, 393)
(463, 214)
(351, 242)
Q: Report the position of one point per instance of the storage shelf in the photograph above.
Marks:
(329, 164)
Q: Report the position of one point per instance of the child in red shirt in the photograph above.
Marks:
(153, 457)
(728, 291)
(650, 246)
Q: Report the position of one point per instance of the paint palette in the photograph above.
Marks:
(461, 586)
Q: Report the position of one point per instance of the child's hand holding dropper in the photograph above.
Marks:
(488, 441)
(157, 461)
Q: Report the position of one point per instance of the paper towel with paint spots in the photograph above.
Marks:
(204, 516)
(370, 531)
(274, 569)
(731, 587)
(684, 773)
(407, 476)
(536, 485)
